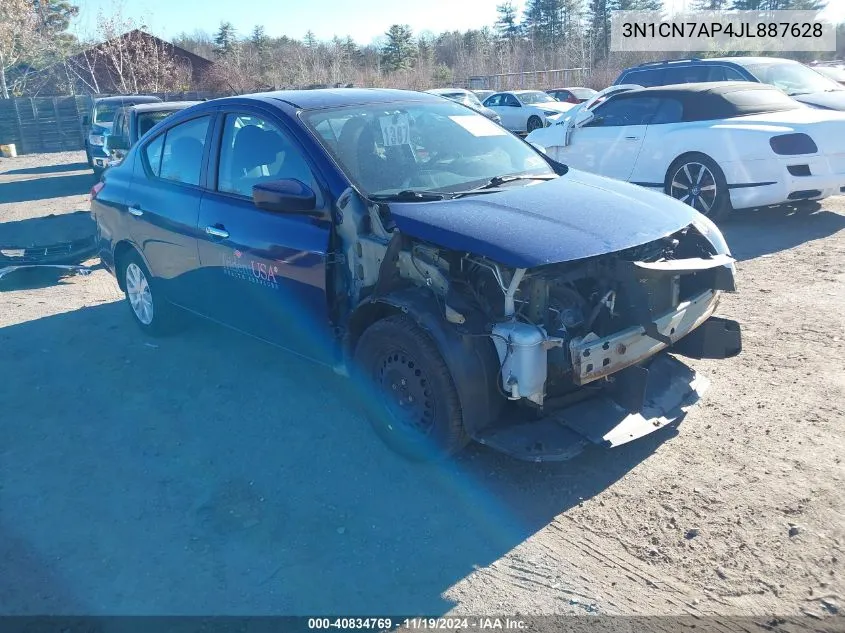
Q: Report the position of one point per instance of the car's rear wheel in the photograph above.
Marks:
(150, 311)
(411, 399)
(696, 180)
(534, 123)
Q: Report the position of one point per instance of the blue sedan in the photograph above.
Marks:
(471, 287)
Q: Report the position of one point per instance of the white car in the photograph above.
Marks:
(468, 99)
(526, 110)
(715, 146)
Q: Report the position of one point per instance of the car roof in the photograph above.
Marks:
(709, 87)
(162, 106)
(745, 61)
(442, 91)
(333, 97)
(129, 99)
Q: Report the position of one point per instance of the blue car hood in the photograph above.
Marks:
(575, 216)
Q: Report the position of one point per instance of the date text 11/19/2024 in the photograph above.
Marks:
(418, 623)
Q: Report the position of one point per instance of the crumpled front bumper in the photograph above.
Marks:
(638, 400)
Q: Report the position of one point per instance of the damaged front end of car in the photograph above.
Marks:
(547, 358)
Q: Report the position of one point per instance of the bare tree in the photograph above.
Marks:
(18, 31)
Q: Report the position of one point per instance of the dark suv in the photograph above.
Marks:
(797, 80)
(98, 122)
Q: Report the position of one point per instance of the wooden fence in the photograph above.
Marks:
(54, 124)
(48, 124)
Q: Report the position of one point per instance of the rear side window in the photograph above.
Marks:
(687, 75)
(669, 111)
(152, 154)
(644, 78)
(177, 154)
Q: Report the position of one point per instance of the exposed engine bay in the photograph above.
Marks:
(557, 329)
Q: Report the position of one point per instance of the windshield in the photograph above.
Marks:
(146, 120)
(530, 98)
(793, 79)
(434, 147)
(837, 74)
(584, 93)
(104, 112)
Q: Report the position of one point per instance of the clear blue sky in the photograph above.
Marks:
(363, 20)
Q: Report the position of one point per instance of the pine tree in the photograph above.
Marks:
(598, 27)
(507, 27)
(398, 52)
(259, 39)
(709, 5)
(310, 39)
(224, 39)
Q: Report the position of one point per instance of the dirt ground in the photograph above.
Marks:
(210, 474)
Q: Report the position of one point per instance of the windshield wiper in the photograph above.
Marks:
(498, 181)
(409, 195)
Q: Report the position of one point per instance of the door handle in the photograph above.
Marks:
(216, 231)
(135, 210)
(632, 138)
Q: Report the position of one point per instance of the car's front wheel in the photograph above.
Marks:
(534, 123)
(411, 399)
(696, 180)
(149, 310)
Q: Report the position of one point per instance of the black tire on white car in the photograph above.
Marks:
(534, 123)
(697, 180)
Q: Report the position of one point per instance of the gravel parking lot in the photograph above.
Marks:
(210, 474)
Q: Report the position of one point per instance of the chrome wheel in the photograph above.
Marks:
(695, 184)
(139, 294)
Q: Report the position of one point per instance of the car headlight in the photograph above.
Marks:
(712, 234)
(550, 112)
(96, 139)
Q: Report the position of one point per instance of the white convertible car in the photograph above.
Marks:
(716, 146)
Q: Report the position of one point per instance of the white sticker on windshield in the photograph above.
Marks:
(478, 125)
(395, 129)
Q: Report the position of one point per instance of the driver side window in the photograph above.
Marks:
(512, 101)
(619, 112)
(253, 150)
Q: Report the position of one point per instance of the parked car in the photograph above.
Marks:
(714, 146)
(132, 122)
(794, 78)
(572, 95)
(468, 99)
(525, 110)
(470, 286)
(99, 121)
(836, 71)
(483, 94)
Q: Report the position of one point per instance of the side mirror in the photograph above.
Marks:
(284, 196)
(86, 120)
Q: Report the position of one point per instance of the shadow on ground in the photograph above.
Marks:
(755, 232)
(32, 189)
(208, 473)
(48, 169)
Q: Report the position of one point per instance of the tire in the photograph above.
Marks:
(534, 123)
(698, 181)
(150, 311)
(411, 399)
